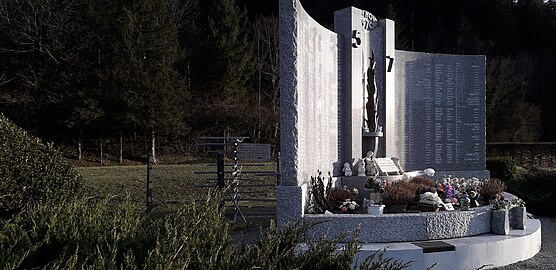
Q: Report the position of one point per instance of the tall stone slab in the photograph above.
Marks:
(383, 43)
(360, 37)
(308, 106)
(288, 91)
(347, 23)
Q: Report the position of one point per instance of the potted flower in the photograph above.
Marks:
(500, 220)
(373, 208)
(518, 214)
(348, 206)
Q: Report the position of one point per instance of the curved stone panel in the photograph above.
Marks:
(309, 95)
(308, 106)
(404, 227)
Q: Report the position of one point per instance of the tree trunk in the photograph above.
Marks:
(153, 147)
(276, 129)
(134, 140)
(79, 147)
(121, 160)
(101, 153)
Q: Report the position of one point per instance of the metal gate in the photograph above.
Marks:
(247, 172)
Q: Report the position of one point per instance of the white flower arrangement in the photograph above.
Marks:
(348, 205)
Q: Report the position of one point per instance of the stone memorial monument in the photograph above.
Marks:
(354, 106)
(347, 92)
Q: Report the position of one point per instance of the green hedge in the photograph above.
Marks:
(503, 168)
(30, 171)
(537, 187)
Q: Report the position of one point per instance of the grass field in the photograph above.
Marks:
(178, 184)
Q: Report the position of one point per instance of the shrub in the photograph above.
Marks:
(502, 168)
(110, 235)
(423, 181)
(30, 171)
(85, 234)
(538, 190)
(279, 249)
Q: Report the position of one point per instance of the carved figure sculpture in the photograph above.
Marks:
(372, 97)
(370, 168)
(427, 172)
(360, 167)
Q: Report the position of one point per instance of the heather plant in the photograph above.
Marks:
(490, 188)
(400, 193)
(423, 181)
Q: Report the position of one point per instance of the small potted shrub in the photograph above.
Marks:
(397, 195)
(500, 220)
(423, 181)
(518, 214)
(373, 208)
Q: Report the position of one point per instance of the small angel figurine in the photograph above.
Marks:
(347, 169)
(361, 168)
(369, 163)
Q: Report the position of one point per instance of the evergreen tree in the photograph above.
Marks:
(222, 65)
(402, 42)
(140, 87)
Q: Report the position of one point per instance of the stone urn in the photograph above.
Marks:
(500, 222)
(518, 218)
(375, 209)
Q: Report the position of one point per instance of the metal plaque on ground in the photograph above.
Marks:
(253, 152)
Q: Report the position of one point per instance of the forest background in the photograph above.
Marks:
(134, 75)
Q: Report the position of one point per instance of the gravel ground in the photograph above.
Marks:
(546, 258)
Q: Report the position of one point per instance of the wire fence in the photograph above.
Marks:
(249, 187)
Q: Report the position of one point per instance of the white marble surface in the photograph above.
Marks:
(470, 252)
